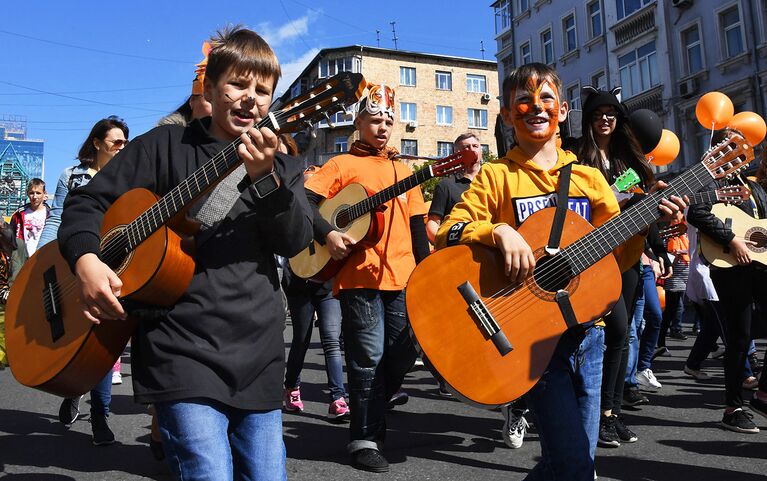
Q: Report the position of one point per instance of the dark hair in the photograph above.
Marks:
(36, 182)
(520, 76)
(464, 136)
(242, 50)
(289, 143)
(87, 152)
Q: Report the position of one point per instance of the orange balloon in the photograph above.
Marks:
(751, 125)
(666, 151)
(714, 110)
(661, 297)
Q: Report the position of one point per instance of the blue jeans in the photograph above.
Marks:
(565, 406)
(302, 306)
(636, 326)
(101, 395)
(204, 439)
(653, 318)
(379, 352)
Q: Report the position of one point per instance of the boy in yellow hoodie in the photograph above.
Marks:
(565, 401)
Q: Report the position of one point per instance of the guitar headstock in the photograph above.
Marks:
(674, 230)
(732, 194)
(728, 157)
(455, 163)
(626, 181)
(328, 97)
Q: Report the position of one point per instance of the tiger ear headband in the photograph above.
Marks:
(199, 79)
(380, 99)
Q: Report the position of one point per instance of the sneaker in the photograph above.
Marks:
(514, 427)
(102, 435)
(338, 409)
(369, 459)
(632, 397)
(696, 373)
(69, 410)
(117, 378)
(625, 434)
(443, 391)
(679, 335)
(608, 436)
(660, 351)
(759, 406)
(750, 383)
(739, 421)
(398, 399)
(647, 381)
(718, 353)
(418, 362)
(292, 400)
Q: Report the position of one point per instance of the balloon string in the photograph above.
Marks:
(711, 138)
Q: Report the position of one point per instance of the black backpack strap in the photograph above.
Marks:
(563, 196)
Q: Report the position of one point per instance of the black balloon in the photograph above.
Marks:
(647, 127)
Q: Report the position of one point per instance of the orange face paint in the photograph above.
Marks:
(535, 110)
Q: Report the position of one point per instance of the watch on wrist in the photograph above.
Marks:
(265, 185)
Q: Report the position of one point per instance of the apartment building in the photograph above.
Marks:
(438, 97)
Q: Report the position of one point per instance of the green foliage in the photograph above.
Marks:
(427, 187)
(488, 157)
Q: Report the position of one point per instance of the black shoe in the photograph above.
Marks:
(102, 435)
(398, 399)
(756, 364)
(740, 422)
(608, 437)
(625, 434)
(632, 397)
(679, 335)
(69, 410)
(660, 351)
(443, 390)
(157, 450)
(369, 459)
(759, 406)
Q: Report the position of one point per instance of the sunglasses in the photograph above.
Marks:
(118, 142)
(609, 116)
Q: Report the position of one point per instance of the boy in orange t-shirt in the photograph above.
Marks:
(371, 284)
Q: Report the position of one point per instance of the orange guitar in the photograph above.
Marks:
(51, 345)
(492, 340)
(355, 211)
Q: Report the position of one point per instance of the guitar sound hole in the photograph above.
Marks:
(760, 237)
(552, 273)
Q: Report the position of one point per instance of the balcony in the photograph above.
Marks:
(634, 25)
(651, 99)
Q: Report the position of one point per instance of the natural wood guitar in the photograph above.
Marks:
(743, 226)
(492, 340)
(51, 345)
(356, 212)
(734, 194)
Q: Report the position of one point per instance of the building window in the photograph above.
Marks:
(574, 96)
(547, 47)
(341, 144)
(524, 5)
(731, 31)
(328, 68)
(627, 7)
(502, 16)
(409, 147)
(525, 54)
(444, 80)
(444, 115)
(693, 48)
(476, 83)
(569, 34)
(338, 119)
(639, 70)
(477, 119)
(444, 149)
(485, 149)
(599, 81)
(407, 112)
(508, 65)
(595, 18)
(407, 76)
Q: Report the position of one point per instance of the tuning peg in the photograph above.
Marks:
(330, 122)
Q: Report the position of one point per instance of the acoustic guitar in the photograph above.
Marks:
(743, 226)
(51, 345)
(491, 340)
(357, 213)
(734, 194)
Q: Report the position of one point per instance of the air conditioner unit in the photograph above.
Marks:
(486, 97)
(412, 124)
(681, 3)
(688, 88)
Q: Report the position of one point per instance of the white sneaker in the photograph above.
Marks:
(514, 427)
(647, 381)
(117, 378)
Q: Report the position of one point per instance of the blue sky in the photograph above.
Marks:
(67, 64)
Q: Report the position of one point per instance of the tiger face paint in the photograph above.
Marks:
(536, 110)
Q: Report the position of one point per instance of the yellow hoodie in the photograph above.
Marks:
(512, 188)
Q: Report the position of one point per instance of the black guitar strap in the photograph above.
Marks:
(555, 236)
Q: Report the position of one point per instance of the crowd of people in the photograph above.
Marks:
(212, 365)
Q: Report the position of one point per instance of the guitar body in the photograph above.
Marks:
(72, 360)
(448, 332)
(743, 226)
(315, 261)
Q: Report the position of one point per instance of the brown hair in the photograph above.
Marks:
(35, 182)
(289, 143)
(464, 136)
(519, 77)
(243, 51)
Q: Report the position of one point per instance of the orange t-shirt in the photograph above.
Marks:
(387, 265)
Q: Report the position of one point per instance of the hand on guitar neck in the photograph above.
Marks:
(672, 207)
(99, 288)
(257, 151)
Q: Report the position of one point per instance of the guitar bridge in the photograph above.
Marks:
(487, 323)
(51, 303)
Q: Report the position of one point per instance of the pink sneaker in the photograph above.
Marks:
(292, 400)
(338, 409)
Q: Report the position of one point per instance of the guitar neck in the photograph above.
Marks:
(379, 198)
(595, 245)
(709, 196)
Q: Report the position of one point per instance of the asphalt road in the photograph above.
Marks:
(429, 438)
